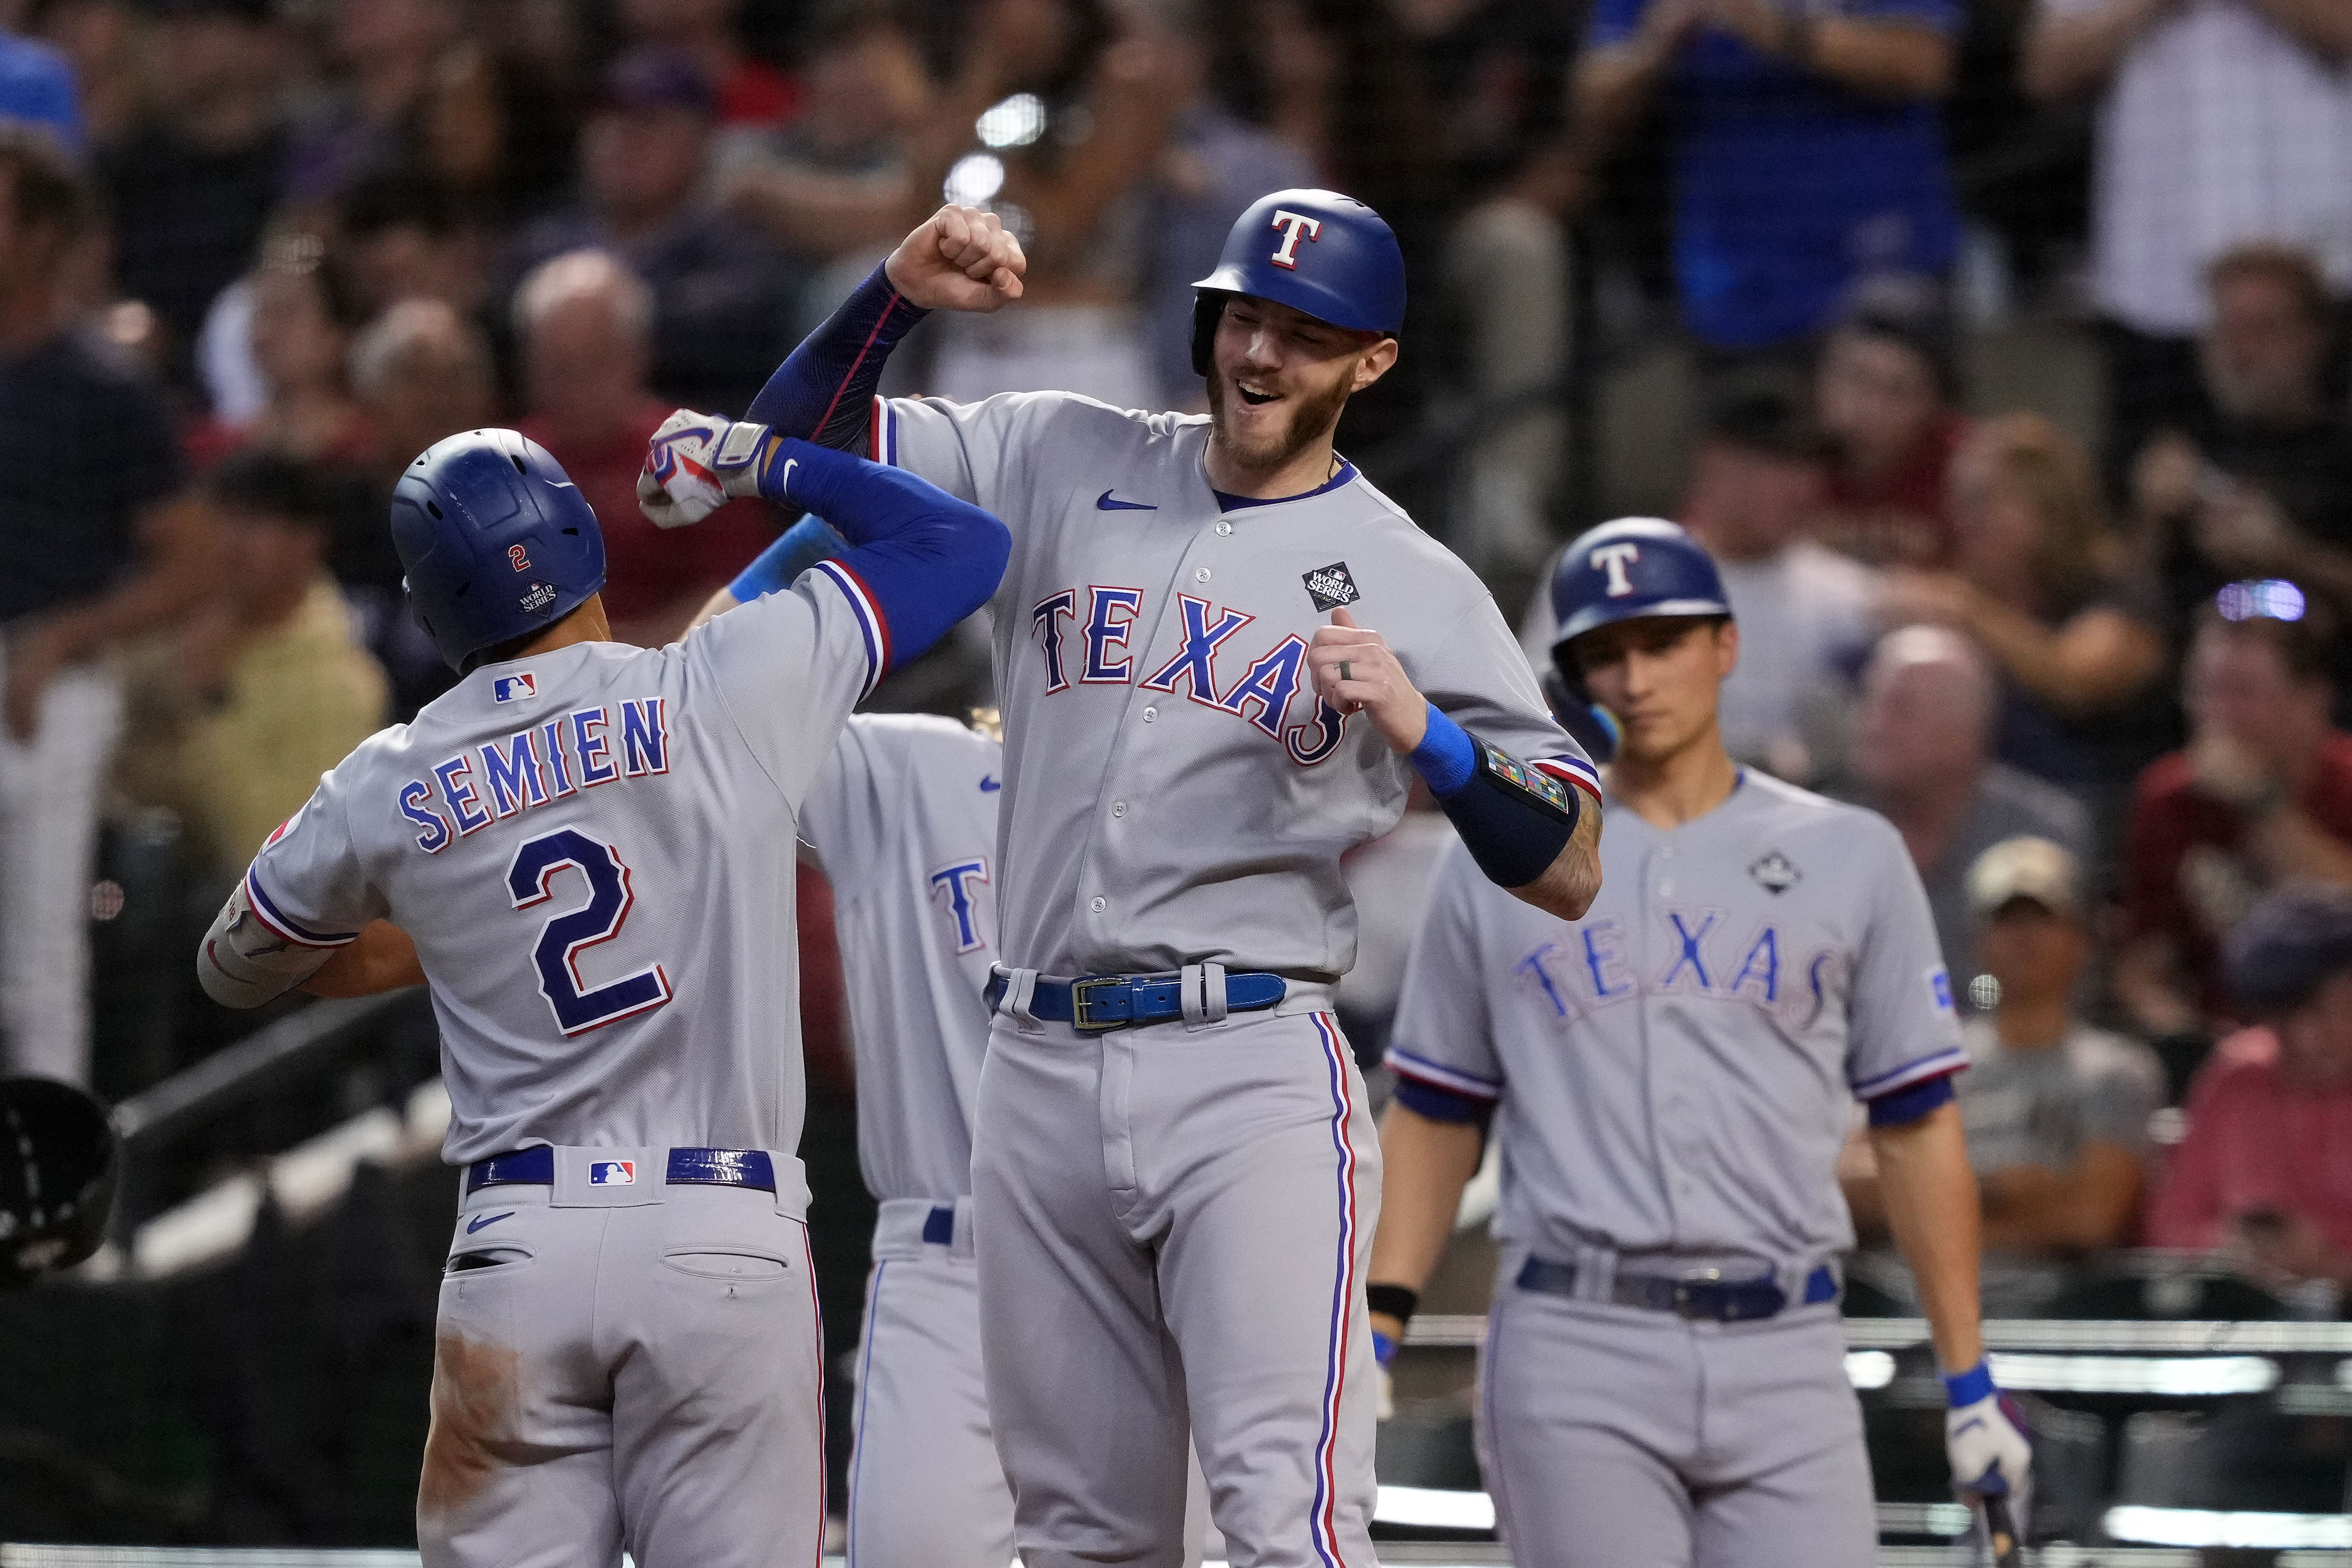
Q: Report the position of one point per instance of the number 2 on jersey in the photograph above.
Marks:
(564, 937)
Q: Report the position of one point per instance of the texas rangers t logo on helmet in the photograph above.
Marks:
(1615, 559)
(1293, 225)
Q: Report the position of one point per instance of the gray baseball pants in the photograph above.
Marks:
(626, 1367)
(1616, 1436)
(926, 1487)
(1173, 1226)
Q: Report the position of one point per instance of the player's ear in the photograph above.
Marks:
(1726, 646)
(1374, 363)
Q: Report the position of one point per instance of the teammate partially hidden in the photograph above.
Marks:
(1174, 1184)
(590, 846)
(1664, 1376)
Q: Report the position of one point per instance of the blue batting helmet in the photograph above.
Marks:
(1632, 567)
(497, 542)
(1319, 252)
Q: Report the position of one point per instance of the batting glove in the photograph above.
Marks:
(1985, 1438)
(695, 462)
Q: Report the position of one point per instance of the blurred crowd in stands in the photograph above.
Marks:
(255, 255)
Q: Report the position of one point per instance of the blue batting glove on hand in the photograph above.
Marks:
(1985, 1438)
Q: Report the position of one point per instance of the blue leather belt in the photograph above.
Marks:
(1713, 1301)
(1092, 1004)
(939, 1226)
(535, 1166)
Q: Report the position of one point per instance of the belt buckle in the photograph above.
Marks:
(1081, 1004)
(1691, 1290)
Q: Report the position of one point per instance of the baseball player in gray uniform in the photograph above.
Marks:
(1174, 1179)
(902, 819)
(588, 847)
(1662, 1382)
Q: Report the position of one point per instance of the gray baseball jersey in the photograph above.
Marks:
(1676, 1070)
(1173, 790)
(902, 818)
(591, 850)
(1676, 1073)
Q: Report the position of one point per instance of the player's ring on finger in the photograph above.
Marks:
(1343, 671)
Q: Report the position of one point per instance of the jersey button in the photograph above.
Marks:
(1118, 808)
(1100, 904)
(1201, 575)
(1149, 714)
(1224, 526)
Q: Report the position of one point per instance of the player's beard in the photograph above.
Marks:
(1312, 417)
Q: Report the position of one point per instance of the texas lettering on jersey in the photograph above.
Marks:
(574, 751)
(1261, 696)
(1591, 968)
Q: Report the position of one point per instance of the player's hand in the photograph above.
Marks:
(1355, 671)
(696, 461)
(677, 485)
(1985, 1440)
(959, 259)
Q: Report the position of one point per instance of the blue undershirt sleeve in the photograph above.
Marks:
(1909, 1105)
(823, 391)
(924, 558)
(1443, 1104)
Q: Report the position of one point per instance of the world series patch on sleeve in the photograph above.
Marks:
(1547, 792)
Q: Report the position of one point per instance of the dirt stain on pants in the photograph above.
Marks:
(476, 1396)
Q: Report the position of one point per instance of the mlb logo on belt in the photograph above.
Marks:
(514, 689)
(612, 1173)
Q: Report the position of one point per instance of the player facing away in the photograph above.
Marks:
(1664, 1379)
(902, 821)
(1175, 1180)
(591, 847)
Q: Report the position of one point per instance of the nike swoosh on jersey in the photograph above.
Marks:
(988, 785)
(481, 1220)
(1102, 503)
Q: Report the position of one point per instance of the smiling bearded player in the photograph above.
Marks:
(1174, 1182)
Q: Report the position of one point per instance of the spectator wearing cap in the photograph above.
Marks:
(585, 325)
(722, 301)
(1808, 149)
(2057, 1110)
(2220, 123)
(1922, 758)
(2262, 794)
(2265, 1169)
(190, 188)
(95, 555)
(1883, 391)
(235, 719)
(1758, 479)
(2260, 482)
(2045, 590)
(745, 90)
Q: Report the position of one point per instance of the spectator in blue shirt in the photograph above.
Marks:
(1808, 148)
(37, 86)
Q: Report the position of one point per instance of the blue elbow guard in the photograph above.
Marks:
(797, 548)
(1513, 819)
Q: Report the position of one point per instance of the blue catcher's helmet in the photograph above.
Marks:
(1632, 567)
(1319, 252)
(497, 542)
